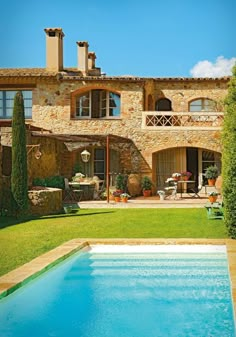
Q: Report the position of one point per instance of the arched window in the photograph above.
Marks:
(202, 104)
(98, 103)
(163, 104)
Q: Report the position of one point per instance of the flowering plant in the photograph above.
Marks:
(211, 194)
(176, 175)
(186, 174)
(125, 195)
(78, 176)
(170, 179)
(116, 194)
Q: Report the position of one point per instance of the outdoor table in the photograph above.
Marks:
(88, 189)
(182, 182)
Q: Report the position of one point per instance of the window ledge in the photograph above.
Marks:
(96, 119)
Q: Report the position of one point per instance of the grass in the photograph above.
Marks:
(22, 240)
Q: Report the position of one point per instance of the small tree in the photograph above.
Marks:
(19, 178)
(229, 157)
(121, 182)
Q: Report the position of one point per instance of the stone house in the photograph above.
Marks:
(146, 126)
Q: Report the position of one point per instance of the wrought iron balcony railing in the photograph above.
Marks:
(153, 120)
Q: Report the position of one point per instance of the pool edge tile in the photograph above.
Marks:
(19, 276)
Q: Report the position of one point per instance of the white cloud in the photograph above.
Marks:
(222, 67)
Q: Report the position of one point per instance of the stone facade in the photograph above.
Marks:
(54, 110)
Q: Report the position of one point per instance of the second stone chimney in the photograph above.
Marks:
(91, 60)
(83, 56)
(54, 49)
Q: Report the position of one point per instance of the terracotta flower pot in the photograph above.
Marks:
(124, 199)
(176, 178)
(212, 198)
(117, 199)
(147, 193)
(211, 182)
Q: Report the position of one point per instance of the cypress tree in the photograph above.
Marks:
(229, 157)
(19, 178)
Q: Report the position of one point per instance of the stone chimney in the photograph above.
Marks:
(54, 49)
(83, 56)
(91, 60)
(92, 69)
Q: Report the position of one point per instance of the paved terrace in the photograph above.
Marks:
(150, 202)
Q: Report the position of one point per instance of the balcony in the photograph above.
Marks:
(157, 120)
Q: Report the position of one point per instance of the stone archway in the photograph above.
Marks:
(179, 159)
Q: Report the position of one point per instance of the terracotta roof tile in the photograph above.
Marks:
(73, 73)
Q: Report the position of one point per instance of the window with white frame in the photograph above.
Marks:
(202, 104)
(7, 103)
(98, 104)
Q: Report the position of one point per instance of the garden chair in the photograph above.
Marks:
(171, 189)
(194, 191)
(71, 194)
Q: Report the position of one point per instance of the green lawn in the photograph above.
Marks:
(21, 241)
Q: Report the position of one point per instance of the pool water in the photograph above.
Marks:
(126, 292)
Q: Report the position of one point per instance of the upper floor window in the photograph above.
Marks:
(98, 104)
(163, 104)
(202, 104)
(7, 103)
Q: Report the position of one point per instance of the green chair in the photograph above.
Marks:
(214, 210)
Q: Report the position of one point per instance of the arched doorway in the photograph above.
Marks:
(163, 104)
(192, 159)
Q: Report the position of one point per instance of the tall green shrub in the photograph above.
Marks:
(229, 157)
(19, 178)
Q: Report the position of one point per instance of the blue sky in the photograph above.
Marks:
(152, 38)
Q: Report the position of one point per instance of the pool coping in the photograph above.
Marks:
(22, 275)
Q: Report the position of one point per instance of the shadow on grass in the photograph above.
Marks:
(6, 221)
(56, 216)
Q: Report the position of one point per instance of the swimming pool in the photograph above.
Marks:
(126, 291)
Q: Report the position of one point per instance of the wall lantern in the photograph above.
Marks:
(85, 156)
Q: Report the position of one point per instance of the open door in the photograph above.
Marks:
(192, 164)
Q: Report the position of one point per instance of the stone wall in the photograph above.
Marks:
(49, 164)
(45, 201)
(54, 109)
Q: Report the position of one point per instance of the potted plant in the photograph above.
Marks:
(124, 197)
(116, 195)
(161, 194)
(212, 196)
(211, 174)
(186, 175)
(120, 183)
(146, 185)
